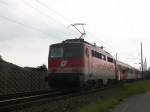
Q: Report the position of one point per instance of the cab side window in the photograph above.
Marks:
(87, 52)
(98, 55)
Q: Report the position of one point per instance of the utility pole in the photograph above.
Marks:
(116, 69)
(142, 61)
(145, 65)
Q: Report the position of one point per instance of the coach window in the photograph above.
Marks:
(92, 53)
(95, 53)
(99, 55)
(109, 59)
(130, 70)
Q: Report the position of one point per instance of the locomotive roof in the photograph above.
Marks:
(80, 40)
(69, 41)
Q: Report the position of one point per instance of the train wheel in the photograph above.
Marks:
(105, 81)
(100, 83)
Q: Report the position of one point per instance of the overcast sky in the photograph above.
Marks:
(28, 27)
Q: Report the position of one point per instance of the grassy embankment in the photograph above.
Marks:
(116, 96)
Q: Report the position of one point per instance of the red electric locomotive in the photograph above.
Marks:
(77, 63)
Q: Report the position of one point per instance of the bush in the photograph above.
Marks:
(42, 68)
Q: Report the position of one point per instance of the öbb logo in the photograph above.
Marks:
(63, 63)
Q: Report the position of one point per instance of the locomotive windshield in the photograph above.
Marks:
(56, 52)
(73, 50)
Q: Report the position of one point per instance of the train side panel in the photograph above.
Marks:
(96, 67)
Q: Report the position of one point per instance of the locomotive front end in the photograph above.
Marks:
(66, 65)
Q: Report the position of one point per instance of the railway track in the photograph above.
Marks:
(22, 94)
(20, 102)
(16, 101)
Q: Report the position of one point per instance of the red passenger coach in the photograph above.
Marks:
(127, 72)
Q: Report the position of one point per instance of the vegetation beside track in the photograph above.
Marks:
(117, 95)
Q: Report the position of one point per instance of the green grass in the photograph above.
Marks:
(116, 95)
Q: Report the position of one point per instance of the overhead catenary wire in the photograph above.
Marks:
(2, 2)
(52, 10)
(40, 12)
(24, 25)
(59, 14)
(35, 9)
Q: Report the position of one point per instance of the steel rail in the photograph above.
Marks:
(23, 94)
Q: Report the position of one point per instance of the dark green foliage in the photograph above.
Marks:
(7, 66)
(147, 74)
(39, 68)
(42, 68)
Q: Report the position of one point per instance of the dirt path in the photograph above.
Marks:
(138, 103)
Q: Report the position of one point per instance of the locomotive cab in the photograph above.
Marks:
(66, 64)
